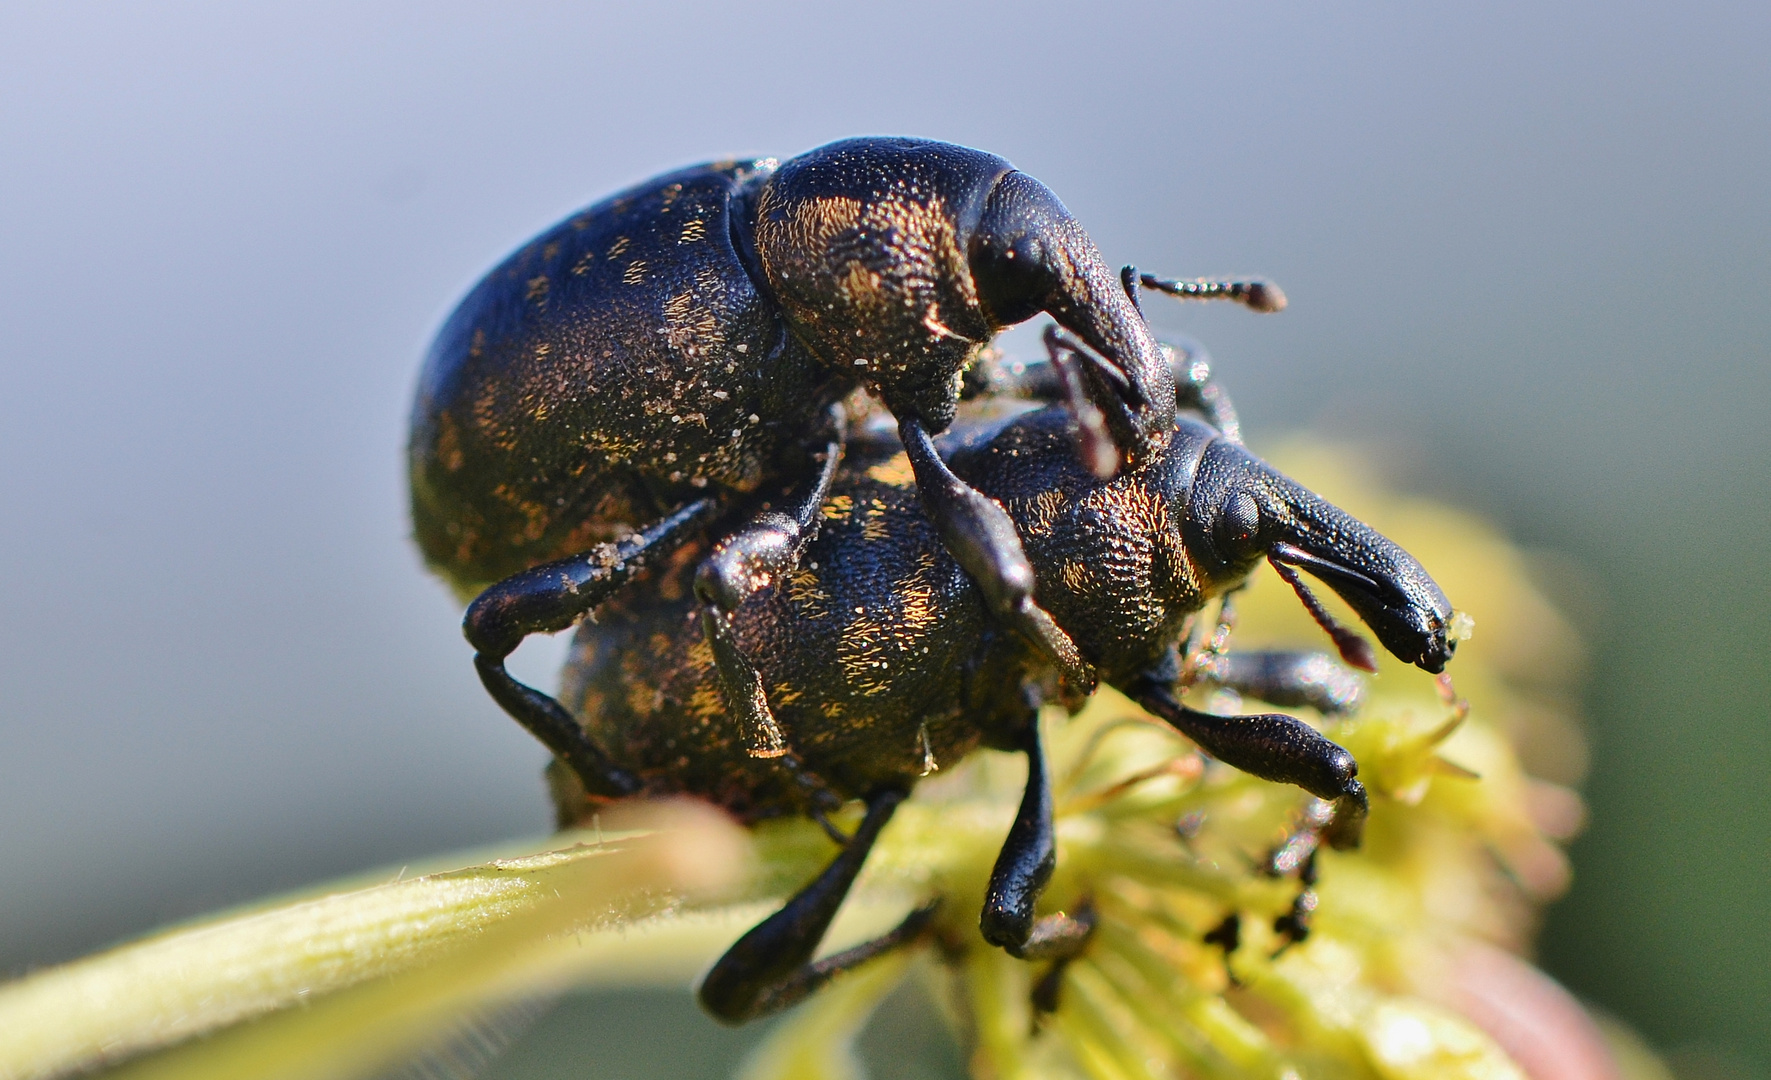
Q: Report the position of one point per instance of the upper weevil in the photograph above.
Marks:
(681, 352)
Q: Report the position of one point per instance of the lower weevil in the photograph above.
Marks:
(880, 656)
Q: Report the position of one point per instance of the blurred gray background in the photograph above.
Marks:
(1526, 247)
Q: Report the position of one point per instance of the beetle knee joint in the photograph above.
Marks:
(748, 561)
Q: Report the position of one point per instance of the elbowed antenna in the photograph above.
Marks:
(1029, 255)
(1257, 294)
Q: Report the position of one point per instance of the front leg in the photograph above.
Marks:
(1272, 746)
(982, 537)
(1288, 679)
(548, 598)
(1197, 389)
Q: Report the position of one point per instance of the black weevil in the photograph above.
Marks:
(675, 354)
(881, 657)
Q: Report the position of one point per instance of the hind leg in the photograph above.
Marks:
(771, 966)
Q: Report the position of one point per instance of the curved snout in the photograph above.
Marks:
(1404, 608)
(1240, 510)
(1028, 255)
(1387, 586)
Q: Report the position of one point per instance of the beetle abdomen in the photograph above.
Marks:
(615, 366)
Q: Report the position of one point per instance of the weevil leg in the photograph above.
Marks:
(1061, 378)
(756, 556)
(981, 535)
(1079, 929)
(548, 598)
(1022, 870)
(1094, 442)
(1093, 391)
(771, 967)
(1287, 679)
(1028, 855)
(1272, 746)
(1044, 381)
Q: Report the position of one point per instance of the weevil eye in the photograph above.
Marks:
(1239, 527)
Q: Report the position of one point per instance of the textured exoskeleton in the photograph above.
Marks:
(676, 356)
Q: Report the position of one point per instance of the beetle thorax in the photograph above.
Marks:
(879, 289)
(864, 245)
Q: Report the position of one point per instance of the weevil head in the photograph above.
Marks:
(1241, 510)
(897, 260)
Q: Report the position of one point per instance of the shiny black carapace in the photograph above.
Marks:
(675, 359)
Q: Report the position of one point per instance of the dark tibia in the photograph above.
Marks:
(1288, 679)
(551, 597)
(742, 687)
(982, 537)
(1272, 746)
(770, 967)
(1258, 293)
(760, 554)
(1027, 858)
(797, 985)
(1196, 388)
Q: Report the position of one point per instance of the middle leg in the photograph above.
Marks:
(755, 557)
(1023, 869)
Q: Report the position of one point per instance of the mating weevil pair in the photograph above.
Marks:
(649, 373)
